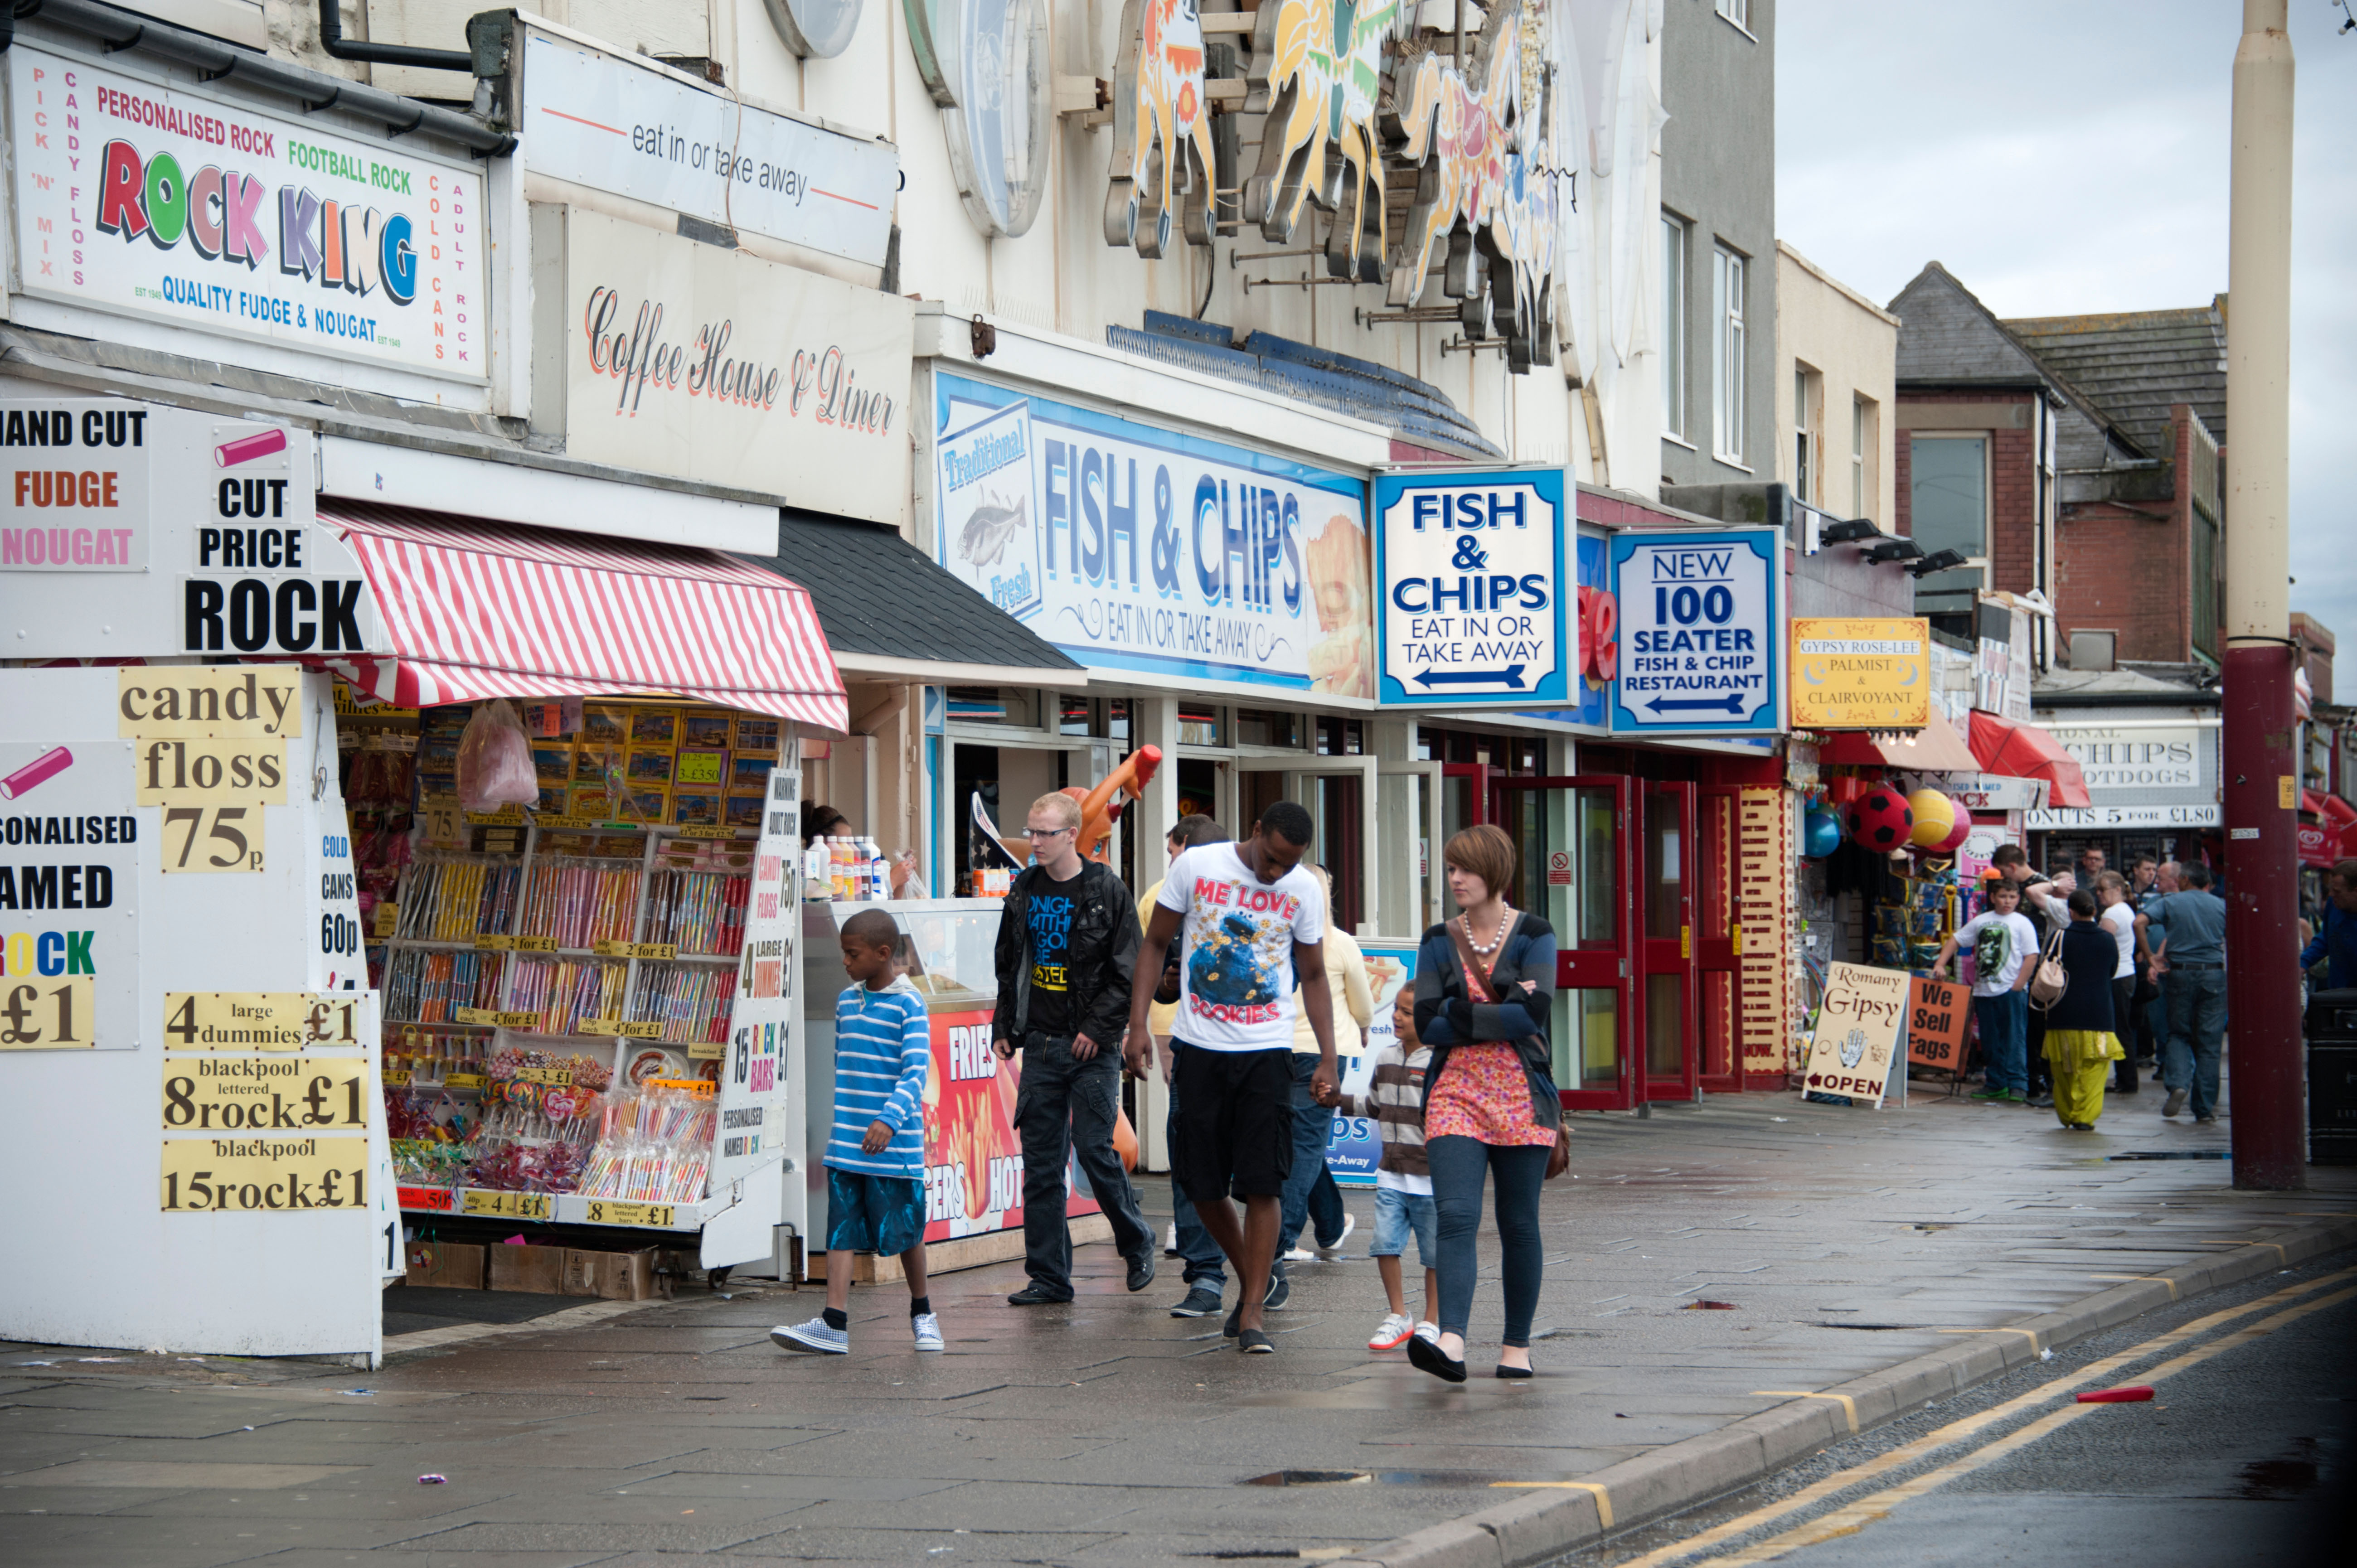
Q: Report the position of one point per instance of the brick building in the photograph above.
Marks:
(2074, 457)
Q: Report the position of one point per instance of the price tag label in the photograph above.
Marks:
(260, 1174)
(464, 1080)
(599, 1027)
(505, 817)
(503, 1205)
(396, 1078)
(435, 1199)
(388, 916)
(707, 832)
(253, 1020)
(212, 838)
(665, 951)
(561, 1077)
(488, 942)
(706, 1051)
(446, 825)
(609, 949)
(243, 1094)
(524, 1020)
(640, 1031)
(647, 1216)
(47, 1015)
(550, 822)
(701, 1088)
(476, 1015)
(536, 944)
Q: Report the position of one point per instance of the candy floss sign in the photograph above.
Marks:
(157, 202)
(685, 359)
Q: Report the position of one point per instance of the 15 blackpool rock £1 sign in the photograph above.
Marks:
(1701, 632)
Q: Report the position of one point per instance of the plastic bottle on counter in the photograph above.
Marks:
(818, 879)
(876, 872)
(839, 867)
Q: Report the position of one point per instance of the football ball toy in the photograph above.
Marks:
(1880, 821)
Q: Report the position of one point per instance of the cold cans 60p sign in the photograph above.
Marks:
(1702, 632)
(1472, 572)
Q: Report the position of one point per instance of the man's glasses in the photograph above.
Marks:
(1039, 834)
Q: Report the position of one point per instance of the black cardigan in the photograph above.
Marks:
(2090, 954)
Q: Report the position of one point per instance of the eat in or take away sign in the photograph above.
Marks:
(1702, 628)
(1470, 568)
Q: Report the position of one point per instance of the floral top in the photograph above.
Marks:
(1482, 1094)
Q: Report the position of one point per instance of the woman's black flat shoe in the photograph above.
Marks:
(1427, 1357)
(1506, 1371)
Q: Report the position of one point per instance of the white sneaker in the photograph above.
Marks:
(1394, 1332)
(1171, 1240)
(1429, 1330)
(812, 1336)
(928, 1329)
(1350, 1223)
(1298, 1255)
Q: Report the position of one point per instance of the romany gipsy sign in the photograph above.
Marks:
(161, 202)
(132, 529)
(684, 358)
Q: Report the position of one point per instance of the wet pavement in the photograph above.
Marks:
(1844, 1240)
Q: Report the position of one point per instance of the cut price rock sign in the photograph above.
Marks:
(1702, 632)
(1471, 571)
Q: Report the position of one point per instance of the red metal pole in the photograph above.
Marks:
(2261, 778)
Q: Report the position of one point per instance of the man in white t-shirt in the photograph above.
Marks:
(1251, 918)
(2005, 950)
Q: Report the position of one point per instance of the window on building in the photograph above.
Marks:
(1857, 456)
(1673, 326)
(1948, 510)
(1267, 727)
(1726, 354)
(2205, 583)
(1806, 482)
(1737, 12)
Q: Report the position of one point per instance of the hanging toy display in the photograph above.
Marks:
(1934, 815)
(1880, 821)
(1821, 832)
(1960, 830)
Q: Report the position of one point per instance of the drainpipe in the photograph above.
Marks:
(332, 38)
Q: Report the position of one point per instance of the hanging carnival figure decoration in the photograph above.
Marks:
(1318, 64)
(1161, 130)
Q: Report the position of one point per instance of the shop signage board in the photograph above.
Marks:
(758, 1087)
(1939, 1018)
(1860, 1025)
(2067, 817)
(204, 213)
(1701, 632)
(232, 1013)
(1139, 549)
(1861, 674)
(1983, 791)
(611, 124)
(1354, 1149)
(2121, 760)
(692, 360)
(132, 529)
(1470, 608)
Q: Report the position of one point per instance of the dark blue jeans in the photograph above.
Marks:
(1459, 1165)
(1206, 1264)
(1310, 1195)
(2197, 1028)
(2004, 1023)
(1064, 1110)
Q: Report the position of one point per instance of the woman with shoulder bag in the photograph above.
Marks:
(1484, 994)
(2082, 1027)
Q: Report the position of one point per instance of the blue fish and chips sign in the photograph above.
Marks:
(1472, 569)
(1702, 632)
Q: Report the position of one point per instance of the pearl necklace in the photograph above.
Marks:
(1506, 916)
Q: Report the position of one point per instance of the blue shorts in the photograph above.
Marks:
(1396, 1214)
(873, 1213)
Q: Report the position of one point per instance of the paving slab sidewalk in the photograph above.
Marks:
(1845, 1243)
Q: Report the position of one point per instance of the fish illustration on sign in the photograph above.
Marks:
(988, 528)
(1318, 66)
(1162, 130)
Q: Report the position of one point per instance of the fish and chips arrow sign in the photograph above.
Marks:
(1469, 568)
(1702, 632)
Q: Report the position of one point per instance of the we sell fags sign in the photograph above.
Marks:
(1471, 570)
(1702, 628)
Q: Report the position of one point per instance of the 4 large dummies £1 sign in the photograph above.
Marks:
(1133, 548)
(1702, 632)
(1471, 568)
(155, 201)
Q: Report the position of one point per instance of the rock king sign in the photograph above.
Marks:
(1702, 632)
(1471, 568)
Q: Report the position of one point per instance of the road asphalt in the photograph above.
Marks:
(1843, 1242)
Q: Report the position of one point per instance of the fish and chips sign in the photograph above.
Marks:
(1859, 1026)
(1861, 674)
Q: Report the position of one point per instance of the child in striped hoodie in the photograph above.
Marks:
(875, 1152)
(1403, 1179)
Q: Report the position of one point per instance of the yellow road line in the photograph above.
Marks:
(1849, 1406)
(1958, 1431)
(1596, 1490)
(1856, 1516)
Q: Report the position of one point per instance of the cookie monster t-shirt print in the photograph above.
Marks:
(1237, 991)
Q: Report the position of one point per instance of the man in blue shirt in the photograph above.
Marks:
(2336, 938)
(2189, 947)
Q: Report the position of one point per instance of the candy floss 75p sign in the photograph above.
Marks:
(159, 202)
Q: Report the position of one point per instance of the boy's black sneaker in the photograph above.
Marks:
(1202, 1302)
(1036, 1294)
(1280, 1291)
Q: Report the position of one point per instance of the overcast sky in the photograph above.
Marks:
(2061, 159)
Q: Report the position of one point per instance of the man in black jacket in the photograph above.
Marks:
(1067, 947)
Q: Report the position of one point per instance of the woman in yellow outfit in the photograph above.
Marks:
(2082, 1034)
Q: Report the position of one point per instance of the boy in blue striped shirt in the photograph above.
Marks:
(875, 1152)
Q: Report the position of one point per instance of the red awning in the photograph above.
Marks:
(2336, 813)
(471, 609)
(2020, 750)
(1934, 748)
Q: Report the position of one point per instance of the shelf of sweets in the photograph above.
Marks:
(560, 1209)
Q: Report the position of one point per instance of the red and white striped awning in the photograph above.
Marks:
(468, 609)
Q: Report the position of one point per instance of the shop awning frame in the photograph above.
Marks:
(2022, 751)
(1934, 748)
(469, 610)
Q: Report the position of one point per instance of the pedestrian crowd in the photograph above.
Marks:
(2085, 980)
(1230, 976)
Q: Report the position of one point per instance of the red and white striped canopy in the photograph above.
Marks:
(469, 610)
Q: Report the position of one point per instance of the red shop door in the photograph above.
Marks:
(1579, 874)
